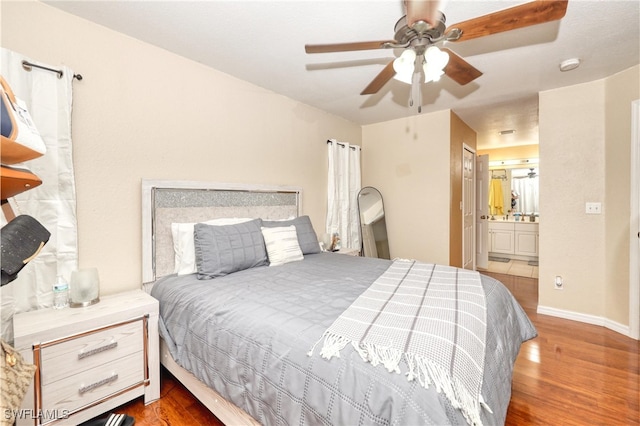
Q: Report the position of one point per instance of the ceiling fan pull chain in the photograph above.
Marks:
(415, 91)
(412, 89)
(419, 94)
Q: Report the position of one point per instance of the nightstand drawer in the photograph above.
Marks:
(74, 392)
(90, 350)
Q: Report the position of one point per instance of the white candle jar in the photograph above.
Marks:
(84, 287)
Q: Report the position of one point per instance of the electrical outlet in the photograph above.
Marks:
(593, 208)
(559, 283)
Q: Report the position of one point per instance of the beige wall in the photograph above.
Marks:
(408, 161)
(584, 151)
(620, 90)
(572, 143)
(416, 163)
(143, 112)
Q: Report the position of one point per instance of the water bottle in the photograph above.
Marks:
(60, 293)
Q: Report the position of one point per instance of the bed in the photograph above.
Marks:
(248, 343)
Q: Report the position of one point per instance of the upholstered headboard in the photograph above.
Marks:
(165, 202)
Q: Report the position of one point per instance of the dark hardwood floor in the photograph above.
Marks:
(176, 406)
(571, 374)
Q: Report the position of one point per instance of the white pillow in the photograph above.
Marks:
(184, 248)
(282, 245)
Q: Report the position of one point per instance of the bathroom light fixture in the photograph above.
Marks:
(569, 64)
(514, 162)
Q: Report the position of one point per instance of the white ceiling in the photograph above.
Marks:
(263, 42)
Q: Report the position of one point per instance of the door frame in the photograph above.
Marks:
(471, 150)
(482, 211)
(634, 225)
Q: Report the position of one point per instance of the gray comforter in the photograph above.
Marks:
(247, 335)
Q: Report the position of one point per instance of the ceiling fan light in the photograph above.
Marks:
(405, 61)
(404, 66)
(400, 66)
(405, 77)
(433, 77)
(436, 57)
(409, 54)
(431, 72)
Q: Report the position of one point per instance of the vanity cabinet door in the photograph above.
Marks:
(526, 241)
(502, 241)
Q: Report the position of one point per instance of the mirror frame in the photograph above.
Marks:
(383, 217)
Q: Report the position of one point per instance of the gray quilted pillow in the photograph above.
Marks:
(307, 238)
(221, 250)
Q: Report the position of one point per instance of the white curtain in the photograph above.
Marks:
(528, 194)
(53, 203)
(343, 185)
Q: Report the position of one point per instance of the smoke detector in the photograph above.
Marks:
(569, 64)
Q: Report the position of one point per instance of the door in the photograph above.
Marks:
(468, 208)
(502, 239)
(526, 243)
(634, 246)
(482, 211)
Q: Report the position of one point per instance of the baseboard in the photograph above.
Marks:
(586, 318)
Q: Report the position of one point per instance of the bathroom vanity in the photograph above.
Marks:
(515, 240)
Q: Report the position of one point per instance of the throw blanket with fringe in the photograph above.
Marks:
(431, 316)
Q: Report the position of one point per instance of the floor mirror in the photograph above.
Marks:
(373, 228)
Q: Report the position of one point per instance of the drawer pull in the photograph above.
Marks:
(97, 350)
(110, 379)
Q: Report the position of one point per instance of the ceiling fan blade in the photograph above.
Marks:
(532, 13)
(346, 47)
(381, 79)
(422, 10)
(459, 70)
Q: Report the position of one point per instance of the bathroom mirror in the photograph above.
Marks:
(525, 187)
(373, 228)
(514, 190)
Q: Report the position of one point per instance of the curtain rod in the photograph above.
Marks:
(353, 147)
(28, 66)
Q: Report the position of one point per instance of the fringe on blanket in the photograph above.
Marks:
(427, 373)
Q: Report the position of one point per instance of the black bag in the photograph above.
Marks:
(22, 240)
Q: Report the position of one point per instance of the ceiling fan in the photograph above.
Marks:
(424, 26)
(529, 175)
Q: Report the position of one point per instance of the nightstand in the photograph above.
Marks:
(348, 251)
(90, 360)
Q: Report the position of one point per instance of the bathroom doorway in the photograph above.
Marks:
(514, 216)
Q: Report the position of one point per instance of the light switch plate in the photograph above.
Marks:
(593, 208)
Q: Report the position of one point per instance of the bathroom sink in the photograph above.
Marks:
(513, 219)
